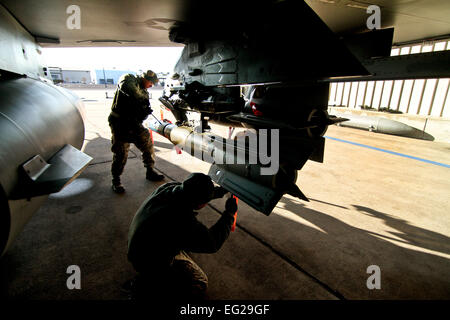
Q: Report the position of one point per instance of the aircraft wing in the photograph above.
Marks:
(146, 22)
(412, 19)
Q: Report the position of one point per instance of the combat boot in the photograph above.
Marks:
(117, 186)
(152, 175)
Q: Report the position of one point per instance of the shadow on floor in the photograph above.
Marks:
(407, 273)
(89, 228)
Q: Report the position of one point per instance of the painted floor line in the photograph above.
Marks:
(391, 152)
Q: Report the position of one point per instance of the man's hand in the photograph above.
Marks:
(231, 206)
(142, 114)
(219, 192)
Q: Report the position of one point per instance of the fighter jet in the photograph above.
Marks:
(283, 54)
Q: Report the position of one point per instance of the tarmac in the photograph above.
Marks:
(377, 200)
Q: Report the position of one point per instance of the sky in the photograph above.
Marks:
(158, 59)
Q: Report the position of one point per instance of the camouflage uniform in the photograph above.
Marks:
(131, 106)
(183, 279)
(164, 228)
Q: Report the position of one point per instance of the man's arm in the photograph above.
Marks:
(199, 238)
(131, 88)
(137, 98)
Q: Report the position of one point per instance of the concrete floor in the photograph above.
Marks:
(367, 208)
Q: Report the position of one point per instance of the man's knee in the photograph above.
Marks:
(189, 273)
(119, 148)
(143, 140)
(145, 145)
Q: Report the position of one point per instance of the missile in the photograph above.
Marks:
(383, 125)
(240, 166)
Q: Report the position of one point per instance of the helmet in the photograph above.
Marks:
(150, 76)
(199, 188)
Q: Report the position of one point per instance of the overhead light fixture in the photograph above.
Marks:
(107, 41)
(357, 5)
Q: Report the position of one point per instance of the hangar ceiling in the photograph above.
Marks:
(146, 22)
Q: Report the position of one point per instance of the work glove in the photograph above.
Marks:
(231, 206)
(219, 192)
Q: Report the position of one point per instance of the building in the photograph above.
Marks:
(70, 76)
(76, 76)
(56, 74)
(419, 97)
(110, 76)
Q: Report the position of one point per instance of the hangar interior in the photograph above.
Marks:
(368, 197)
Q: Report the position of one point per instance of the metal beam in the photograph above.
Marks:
(412, 66)
(381, 95)
(445, 99)
(400, 95)
(424, 86)
(410, 96)
(433, 96)
(357, 92)
(335, 93)
(365, 93)
(390, 94)
(349, 93)
(422, 93)
(373, 94)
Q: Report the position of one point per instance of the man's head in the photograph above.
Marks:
(198, 189)
(149, 78)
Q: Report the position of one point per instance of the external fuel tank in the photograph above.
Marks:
(41, 132)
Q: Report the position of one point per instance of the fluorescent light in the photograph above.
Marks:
(358, 6)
